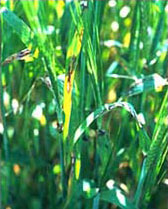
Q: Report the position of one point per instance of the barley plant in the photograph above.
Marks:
(83, 104)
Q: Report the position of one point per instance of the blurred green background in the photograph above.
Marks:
(118, 51)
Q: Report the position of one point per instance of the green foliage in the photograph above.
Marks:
(83, 104)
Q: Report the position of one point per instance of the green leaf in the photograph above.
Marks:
(17, 25)
(100, 112)
(152, 82)
(144, 141)
(159, 140)
(116, 197)
(155, 156)
(134, 42)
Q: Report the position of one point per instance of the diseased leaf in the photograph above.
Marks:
(72, 54)
(152, 82)
(100, 112)
(22, 55)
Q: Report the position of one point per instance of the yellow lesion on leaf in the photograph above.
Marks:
(16, 169)
(126, 40)
(43, 120)
(31, 58)
(60, 8)
(75, 46)
(67, 101)
(77, 167)
(11, 5)
(36, 53)
(72, 54)
(36, 4)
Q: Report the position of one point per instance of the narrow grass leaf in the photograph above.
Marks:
(100, 112)
(72, 55)
(144, 141)
(149, 83)
(144, 22)
(159, 30)
(134, 42)
(22, 55)
(155, 155)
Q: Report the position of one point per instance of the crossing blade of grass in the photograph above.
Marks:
(17, 56)
(100, 112)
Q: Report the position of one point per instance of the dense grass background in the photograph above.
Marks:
(83, 116)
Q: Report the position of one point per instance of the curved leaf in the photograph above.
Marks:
(100, 112)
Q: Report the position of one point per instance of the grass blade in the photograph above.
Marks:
(17, 25)
(100, 112)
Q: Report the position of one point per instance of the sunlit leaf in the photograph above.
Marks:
(152, 82)
(17, 25)
(100, 112)
(117, 197)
